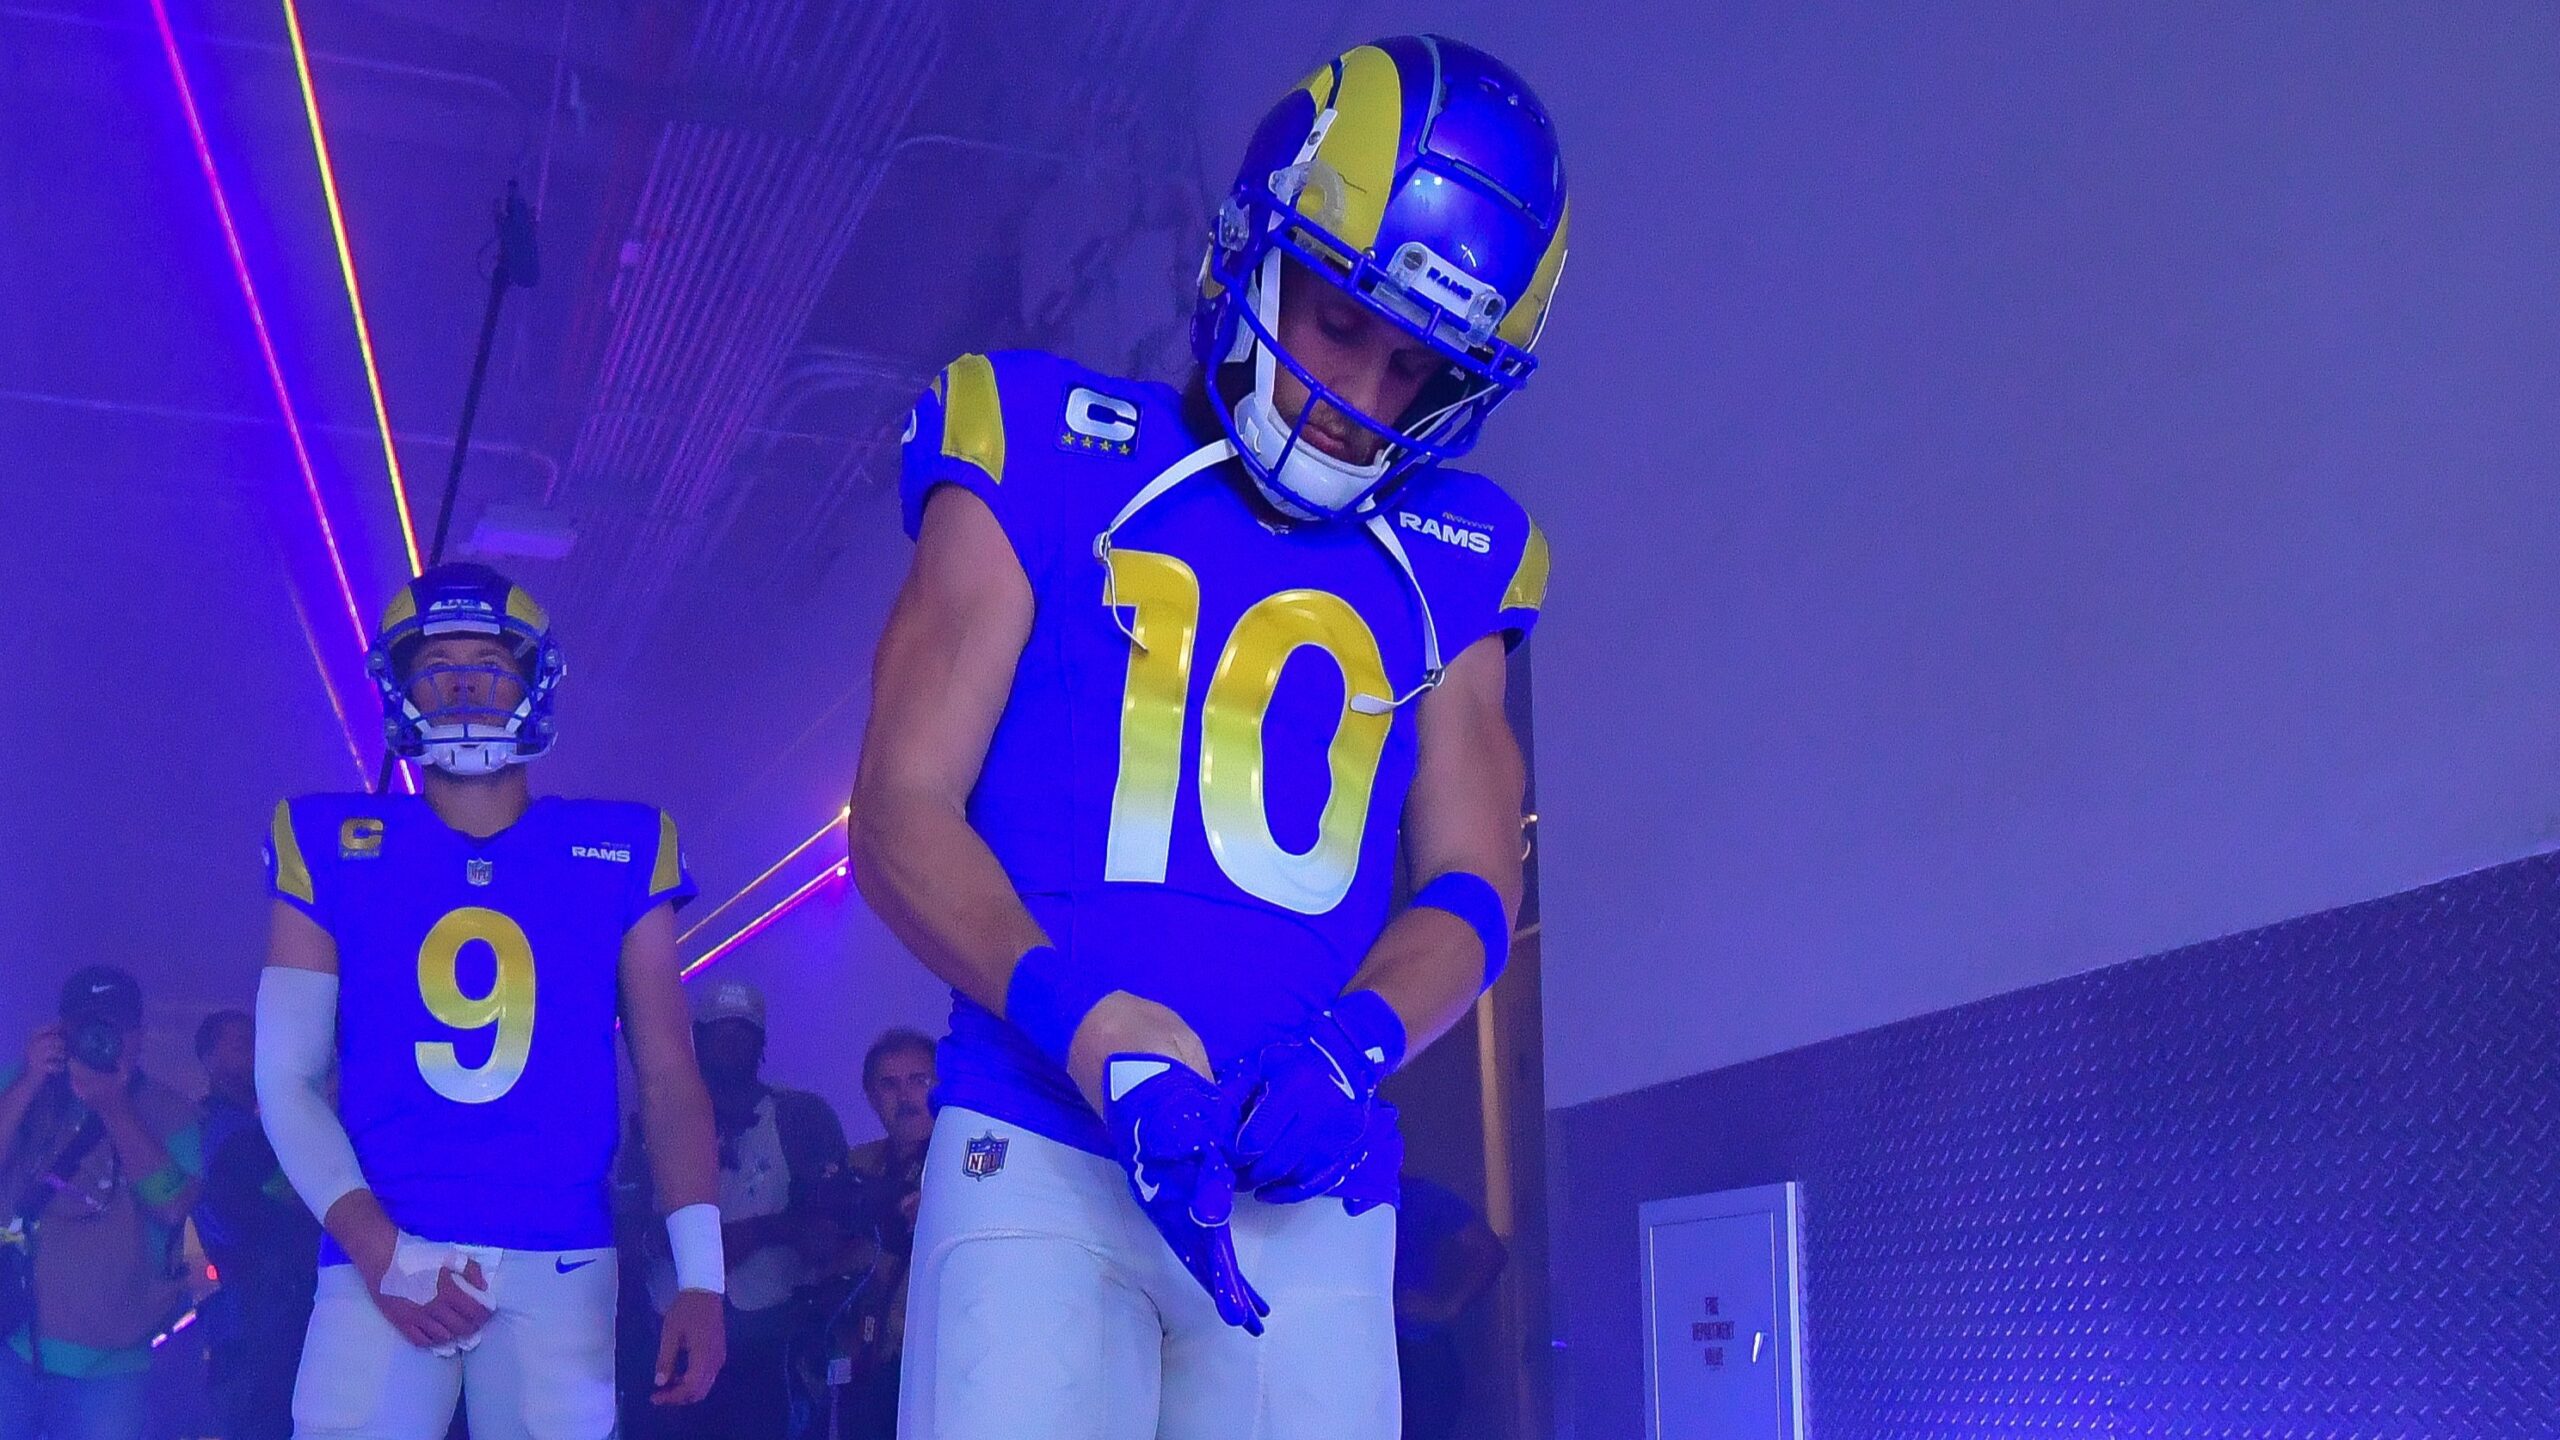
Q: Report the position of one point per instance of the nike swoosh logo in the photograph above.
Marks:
(1341, 1081)
(1138, 1168)
(565, 1266)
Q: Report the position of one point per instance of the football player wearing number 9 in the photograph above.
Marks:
(459, 958)
(1174, 678)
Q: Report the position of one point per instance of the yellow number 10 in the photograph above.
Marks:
(1233, 807)
(508, 1005)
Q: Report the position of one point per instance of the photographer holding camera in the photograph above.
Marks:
(98, 1164)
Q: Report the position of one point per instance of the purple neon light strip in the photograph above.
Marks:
(834, 821)
(758, 925)
(311, 639)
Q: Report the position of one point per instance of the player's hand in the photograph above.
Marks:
(1307, 1100)
(1126, 1024)
(452, 1317)
(47, 1054)
(693, 1343)
(1170, 1126)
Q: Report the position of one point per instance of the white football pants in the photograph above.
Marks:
(543, 1369)
(1041, 1302)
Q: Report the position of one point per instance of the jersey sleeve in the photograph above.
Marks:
(958, 435)
(665, 880)
(1482, 560)
(290, 877)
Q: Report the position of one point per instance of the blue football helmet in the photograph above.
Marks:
(1422, 177)
(464, 739)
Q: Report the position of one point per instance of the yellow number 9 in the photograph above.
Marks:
(508, 1005)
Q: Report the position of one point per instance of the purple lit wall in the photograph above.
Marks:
(2297, 1182)
(2031, 486)
(2034, 487)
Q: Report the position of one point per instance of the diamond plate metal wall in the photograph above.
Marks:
(2301, 1183)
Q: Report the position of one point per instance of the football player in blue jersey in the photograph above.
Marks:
(1176, 680)
(460, 958)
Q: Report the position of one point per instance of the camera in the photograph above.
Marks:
(94, 1043)
(100, 1004)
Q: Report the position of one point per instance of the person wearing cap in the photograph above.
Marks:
(101, 1164)
(782, 1156)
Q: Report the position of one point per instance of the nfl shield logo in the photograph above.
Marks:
(985, 1157)
(479, 872)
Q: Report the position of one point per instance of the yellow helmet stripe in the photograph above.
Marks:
(520, 607)
(403, 607)
(1529, 315)
(1367, 98)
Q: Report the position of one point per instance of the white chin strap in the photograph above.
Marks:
(470, 757)
(469, 749)
(1304, 481)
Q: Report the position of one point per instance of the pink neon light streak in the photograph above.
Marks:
(758, 925)
(311, 639)
(747, 889)
(258, 323)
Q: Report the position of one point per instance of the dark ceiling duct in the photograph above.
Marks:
(744, 207)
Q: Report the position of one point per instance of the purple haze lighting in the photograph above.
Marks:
(258, 322)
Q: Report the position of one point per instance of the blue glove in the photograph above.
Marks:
(1308, 1100)
(1170, 1126)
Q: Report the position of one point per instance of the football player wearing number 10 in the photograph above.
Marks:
(459, 958)
(1174, 679)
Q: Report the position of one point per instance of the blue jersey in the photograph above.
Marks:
(1208, 821)
(478, 986)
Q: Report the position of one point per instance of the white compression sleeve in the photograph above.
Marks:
(693, 1233)
(297, 1046)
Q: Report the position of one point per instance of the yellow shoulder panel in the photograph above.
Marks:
(670, 868)
(1528, 588)
(293, 877)
(972, 416)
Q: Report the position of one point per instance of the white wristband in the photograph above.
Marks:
(693, 1233)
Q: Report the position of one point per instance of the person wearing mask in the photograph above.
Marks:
(897, 1078)
(100, 1165)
